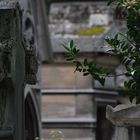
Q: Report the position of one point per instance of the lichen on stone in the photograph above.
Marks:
(89, 31)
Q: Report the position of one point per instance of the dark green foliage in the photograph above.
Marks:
(126, 46)
(86, 67)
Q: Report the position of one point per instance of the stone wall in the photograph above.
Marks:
(64, 18)
(63, 76)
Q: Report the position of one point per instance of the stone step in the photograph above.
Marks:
(69, 123)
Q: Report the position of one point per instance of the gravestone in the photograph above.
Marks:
(18, 66)
(12, 73)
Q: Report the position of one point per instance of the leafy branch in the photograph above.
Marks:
(86, 67)
(125, 46)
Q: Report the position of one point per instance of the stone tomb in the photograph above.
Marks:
(123, 116)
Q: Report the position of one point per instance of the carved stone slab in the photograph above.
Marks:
(124, 115)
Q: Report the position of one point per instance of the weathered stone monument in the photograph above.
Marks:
(123, 116)
(12, 73)
(21, 32)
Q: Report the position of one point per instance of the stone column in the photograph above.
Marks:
(121, 133)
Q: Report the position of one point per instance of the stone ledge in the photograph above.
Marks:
(69, 123)
(46, 91)
(124, 115)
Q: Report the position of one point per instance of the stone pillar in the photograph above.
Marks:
(123, 116)
(18, 67)
(121, 133)
(19, 50)
(12, 73)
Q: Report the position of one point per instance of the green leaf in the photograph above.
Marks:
(116, 37)
(127, 62)
(128, 74)
(107, 38)
(109, 2)
(128, 68)
(131, 97)
(71, 44)
(77, 50)
(67, 48)
(137, 99)
(126, 84)
(101, 80)
(85, 74)
(85, 62)
(69, 59)
(78, 69)
(78, 63)
(84, 70)
(74, 51)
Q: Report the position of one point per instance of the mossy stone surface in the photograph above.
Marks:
(89, 31)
